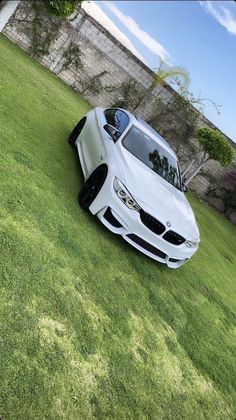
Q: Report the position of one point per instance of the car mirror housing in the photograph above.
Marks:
(112, 131)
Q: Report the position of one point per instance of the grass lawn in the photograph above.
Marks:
(89, 327)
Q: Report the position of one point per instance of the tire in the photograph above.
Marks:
(76, 132)
(92, 186)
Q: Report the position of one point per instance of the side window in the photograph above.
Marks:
(117, 118)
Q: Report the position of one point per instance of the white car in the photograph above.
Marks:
(133, 185)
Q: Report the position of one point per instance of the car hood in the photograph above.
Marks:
(157, 196)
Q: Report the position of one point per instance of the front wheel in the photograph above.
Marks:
(76, 132)
(91, 187)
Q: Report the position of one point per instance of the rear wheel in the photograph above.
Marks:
(91, 187)
(76, 132)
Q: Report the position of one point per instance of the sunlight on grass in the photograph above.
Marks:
(89, 327)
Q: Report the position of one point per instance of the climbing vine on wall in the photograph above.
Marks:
(92, 85)
(40, 27)
(44, 30)
(72, 56)
(128, 94)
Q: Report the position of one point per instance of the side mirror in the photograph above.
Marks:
(184, 187)
(112, 131)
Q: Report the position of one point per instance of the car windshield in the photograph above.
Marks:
(153, 155)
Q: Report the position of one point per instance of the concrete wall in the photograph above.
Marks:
(102, 52)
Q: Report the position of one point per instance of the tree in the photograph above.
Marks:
(225, 191)
(229, 198)
(62, 8)
(92, 85)
(127, 94)
(213, 146)
(178, 119)
(176, 75)
(72, 56)
(184, 103)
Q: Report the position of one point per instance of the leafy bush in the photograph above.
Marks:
(231, 177)
(227, 192)
(230, 195)
(128, 94)
(93, 85)
(72, 56)
(215, 145)
(229, 200)
(62, 8)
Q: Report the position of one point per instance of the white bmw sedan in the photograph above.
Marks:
(133, 185)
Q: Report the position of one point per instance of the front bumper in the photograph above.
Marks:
(119, 219)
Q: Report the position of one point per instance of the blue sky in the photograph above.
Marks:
(199, 35)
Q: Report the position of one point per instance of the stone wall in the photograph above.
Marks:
(103, 57)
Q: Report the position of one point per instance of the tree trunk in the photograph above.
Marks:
(188, 167)
(195, 172)
(144, 98)
(157, 115)
(7, 11)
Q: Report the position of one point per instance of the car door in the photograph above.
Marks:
(91, 140)
(94, 139)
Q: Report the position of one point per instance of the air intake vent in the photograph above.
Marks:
(151, 223)
(111, 219)
(173, 237)
(141, 242)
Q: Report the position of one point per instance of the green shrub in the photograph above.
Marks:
(216, 145)
(128, 94)
(229, 200)
(62, 8)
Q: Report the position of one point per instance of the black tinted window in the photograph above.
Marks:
(117, 119)
(153, 155)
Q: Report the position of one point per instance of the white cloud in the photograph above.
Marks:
(220, 11)
(142, 36)
(97, 13)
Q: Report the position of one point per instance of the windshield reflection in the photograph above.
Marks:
(153, 155)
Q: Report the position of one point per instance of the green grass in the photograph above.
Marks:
(89, 327)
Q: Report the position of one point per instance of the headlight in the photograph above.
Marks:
(125, 196)
(191, 244)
